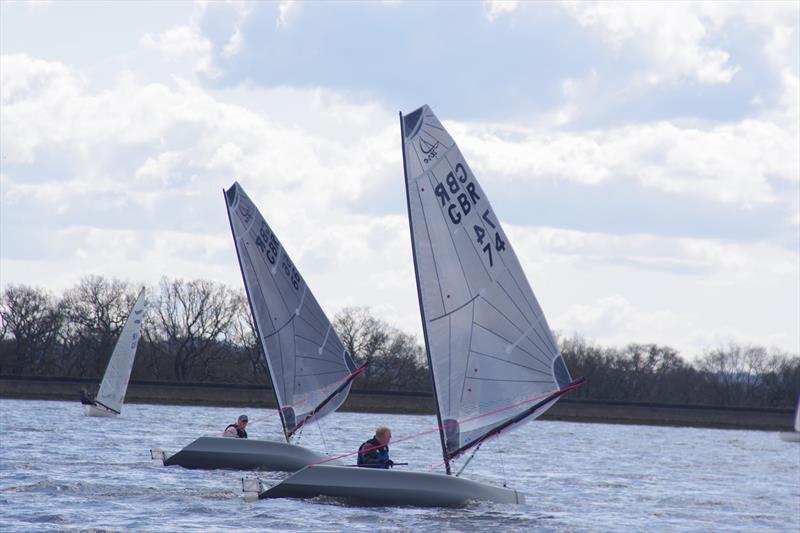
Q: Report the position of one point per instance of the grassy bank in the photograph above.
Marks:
(410, 403)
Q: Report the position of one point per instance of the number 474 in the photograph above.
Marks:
(480, 234)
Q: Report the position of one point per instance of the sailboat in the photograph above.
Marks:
(111, 394)
(310, 369)
(494, 361)
(793, 436)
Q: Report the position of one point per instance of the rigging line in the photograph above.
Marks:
(321, 434)
(502, 461)
(442, 427)
(464, 466)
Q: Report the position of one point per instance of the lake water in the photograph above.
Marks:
(62, 471)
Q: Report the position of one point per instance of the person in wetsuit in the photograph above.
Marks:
(237, 430)
(86, 398)
(375, 452)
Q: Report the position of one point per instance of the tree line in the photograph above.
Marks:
(202, 331)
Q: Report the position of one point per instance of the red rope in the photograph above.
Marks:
(445, 426)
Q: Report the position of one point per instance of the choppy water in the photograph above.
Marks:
(62, 471)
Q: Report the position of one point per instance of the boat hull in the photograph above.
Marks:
(211, 453)
(96, 410)
(790, 436)
(388, 487)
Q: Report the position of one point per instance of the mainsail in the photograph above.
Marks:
(118, 372)
(494, 360)
(310, 368)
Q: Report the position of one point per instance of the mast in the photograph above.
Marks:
(419, 298)
(286, 435)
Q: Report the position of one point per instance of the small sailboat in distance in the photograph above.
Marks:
(111, 394)
(494, 361)
(793, 436)
(310, 369)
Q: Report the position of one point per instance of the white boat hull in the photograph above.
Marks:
(96, 410)
(790, 436)
(211, 453)
(388, 487)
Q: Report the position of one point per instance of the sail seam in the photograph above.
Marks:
(433, 257)
(510, 362)
(459, 308)
(524, 332)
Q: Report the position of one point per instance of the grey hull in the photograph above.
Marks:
(790, 436)
(388, 487)
(209, 453)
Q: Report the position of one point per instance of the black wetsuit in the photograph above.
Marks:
(86, 399)
(240, 432)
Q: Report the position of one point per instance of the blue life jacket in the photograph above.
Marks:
(377, 458)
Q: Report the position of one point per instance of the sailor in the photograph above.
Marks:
(86, 398)
(375, 452)
(237, 430)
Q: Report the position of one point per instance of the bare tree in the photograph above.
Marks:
(33, 321)
(395, 359)
(245, 339)
(192, 321)
(96, 310)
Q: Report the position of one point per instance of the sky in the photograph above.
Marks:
(643, 158)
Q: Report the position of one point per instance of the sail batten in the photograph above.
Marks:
(489, 346)
(310, 370)
(118, 372)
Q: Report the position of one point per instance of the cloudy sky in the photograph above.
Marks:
(644, 159)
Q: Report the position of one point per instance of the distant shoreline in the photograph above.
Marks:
(226, 395)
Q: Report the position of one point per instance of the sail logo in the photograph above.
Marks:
(245, 213)
(428, 149)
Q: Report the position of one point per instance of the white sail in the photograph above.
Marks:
(491, 351)
(118, 372)
(797, 416)
(311, 371)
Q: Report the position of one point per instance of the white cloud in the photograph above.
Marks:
(729, 163)
(183, 41)
(497, 8)
(286, 10)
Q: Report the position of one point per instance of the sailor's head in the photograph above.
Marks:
(383, 434)
(242, 420)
